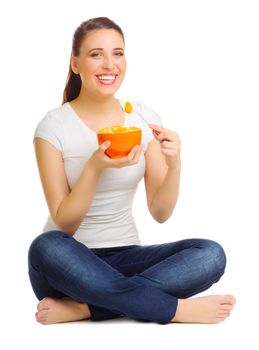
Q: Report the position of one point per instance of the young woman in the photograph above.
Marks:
(89, 262)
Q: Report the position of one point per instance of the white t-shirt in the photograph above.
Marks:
(109, 221)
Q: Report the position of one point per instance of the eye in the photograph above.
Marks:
(95, 54)
(119, 53)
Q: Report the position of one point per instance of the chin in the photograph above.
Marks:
(109, 89)
(108, 92)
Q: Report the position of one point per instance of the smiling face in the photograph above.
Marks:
(101, 63)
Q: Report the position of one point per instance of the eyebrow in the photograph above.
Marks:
(101, 49)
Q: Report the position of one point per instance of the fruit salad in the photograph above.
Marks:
(122, 139)
(116, 129)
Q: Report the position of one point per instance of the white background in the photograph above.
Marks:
(196, 64)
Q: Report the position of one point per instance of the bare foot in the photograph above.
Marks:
(52, 310)
(208, 309)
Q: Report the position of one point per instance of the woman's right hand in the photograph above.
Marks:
(99, 160)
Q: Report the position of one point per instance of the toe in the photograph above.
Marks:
(228, 299)
(45, 303)
(37, 317)
(40, 306)
(41, 316)
(226, 307)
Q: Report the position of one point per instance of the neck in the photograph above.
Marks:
(96, 105)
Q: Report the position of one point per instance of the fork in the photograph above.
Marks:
(128, 108)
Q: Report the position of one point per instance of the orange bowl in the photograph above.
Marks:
(123, 139)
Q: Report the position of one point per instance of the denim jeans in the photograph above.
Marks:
(141, 282)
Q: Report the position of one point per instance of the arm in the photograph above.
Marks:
(68, 207)
(162, 176)
(76, 204)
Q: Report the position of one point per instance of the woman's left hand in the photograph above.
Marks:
(170, 144)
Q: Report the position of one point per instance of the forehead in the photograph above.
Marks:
(102, 38)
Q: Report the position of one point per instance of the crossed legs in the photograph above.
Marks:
(143, 282)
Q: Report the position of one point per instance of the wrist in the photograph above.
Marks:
(93, 166)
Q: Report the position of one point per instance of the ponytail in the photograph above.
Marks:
(73, 86)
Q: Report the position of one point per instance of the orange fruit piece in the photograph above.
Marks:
(128, 107)
(132, 128)
(119, 129)
(104, 130)
(122, 138)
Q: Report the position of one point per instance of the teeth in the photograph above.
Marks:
(106, 77)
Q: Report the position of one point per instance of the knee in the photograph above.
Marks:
(44, 244)
(215, 257)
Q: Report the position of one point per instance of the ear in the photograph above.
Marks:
(74, 64)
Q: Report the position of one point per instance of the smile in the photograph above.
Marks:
(107, 79)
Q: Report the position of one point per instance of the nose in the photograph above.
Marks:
(108, 63)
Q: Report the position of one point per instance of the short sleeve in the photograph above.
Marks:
(50, 129)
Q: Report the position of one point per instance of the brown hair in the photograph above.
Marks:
(73, 82)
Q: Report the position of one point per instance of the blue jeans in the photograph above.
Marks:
(142, 282)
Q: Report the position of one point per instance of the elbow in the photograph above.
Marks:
(160, 218)
(69, 229)
(65, 224)
(161, 215)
